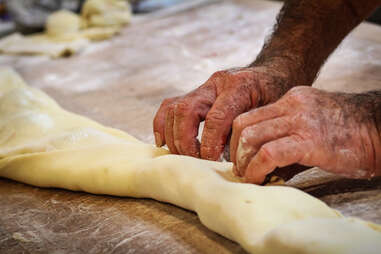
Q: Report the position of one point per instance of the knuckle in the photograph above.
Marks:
(299, 94)
(218, 79)
(219, 74)
(182, 106)
(167, 102)
(266, 153)
(217, 116)
(169, 108)
(299, 89)
(294, 89)
(184, 109)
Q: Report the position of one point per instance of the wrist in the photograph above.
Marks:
(278, 74)
(366, 108)
(291, 66)
(375, 97)
(272, 81)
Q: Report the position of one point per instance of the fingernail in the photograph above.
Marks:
(158, 140)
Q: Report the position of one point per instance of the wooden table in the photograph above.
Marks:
(121, 83)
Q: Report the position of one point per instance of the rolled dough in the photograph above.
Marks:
(43, 145)
(63, 23)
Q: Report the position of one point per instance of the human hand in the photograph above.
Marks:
(334, 131)
(224, 96)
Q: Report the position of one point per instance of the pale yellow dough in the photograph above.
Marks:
(66, 32)
(62, 23)
(102, 13)
(43, 145)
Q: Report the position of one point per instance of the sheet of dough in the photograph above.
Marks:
(43, 145)
(17, 44)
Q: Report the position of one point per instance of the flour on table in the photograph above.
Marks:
(46, 146)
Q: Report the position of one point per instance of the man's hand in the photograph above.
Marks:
(224, 96)
(301, 41)
(335, 131)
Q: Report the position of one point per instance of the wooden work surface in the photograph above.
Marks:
(121, 83)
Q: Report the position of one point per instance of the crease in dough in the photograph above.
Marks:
(72, 152)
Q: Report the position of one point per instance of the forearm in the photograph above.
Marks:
(307, 32)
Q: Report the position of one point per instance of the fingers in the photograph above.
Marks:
(182, 117)
(253, 137)
(219, 120)
(181, 126)
(169, 137)
(159, 122)
(251, 118)
(186, 123)
(277, 153)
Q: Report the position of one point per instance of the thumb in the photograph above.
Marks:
(278, 153)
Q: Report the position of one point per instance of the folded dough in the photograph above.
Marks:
(43, 145)
(104, 13)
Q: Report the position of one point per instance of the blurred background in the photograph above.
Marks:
(29, 16)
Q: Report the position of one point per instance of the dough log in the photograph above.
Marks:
(43, 145)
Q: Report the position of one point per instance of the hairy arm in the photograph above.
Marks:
(305, 34)
(307, 31)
